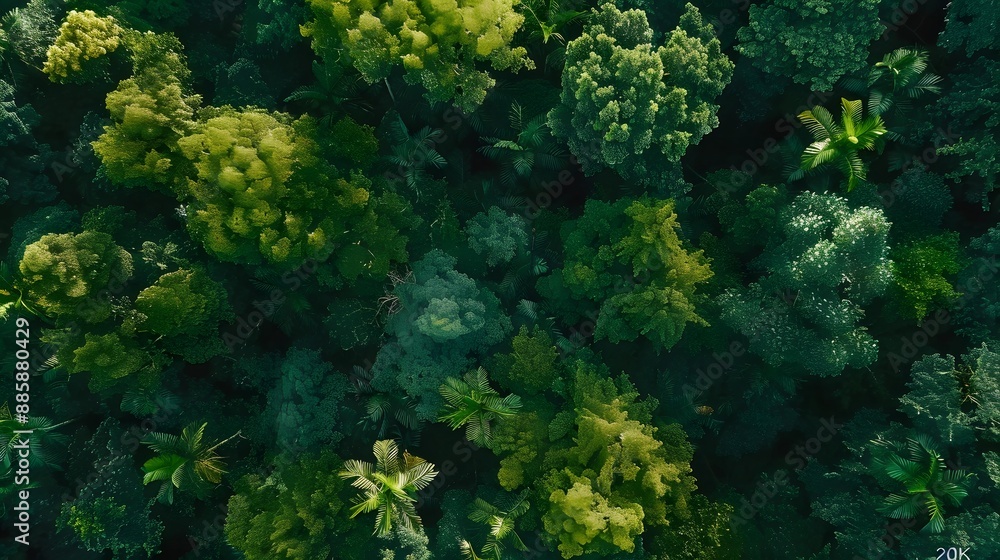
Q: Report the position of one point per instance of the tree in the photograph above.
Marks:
(254, 173)
(150, 112)
(628, 258)
(521, 442)
(444, 316)
(501, 523)
(84, 36)
(970, 24)
(24, 159)
(934, 401)
(930, 484)
(184, 308)
(979, 314)
(531, 366)
(827, 262)
(188, 462)
(919, 201)
(968, 110)
(388, 486)
(497, 235)
(527, 148)
(633, 107)
(472, 403)
(303, 402)
(42, 441)
(838, 145)
(62, 272)
(900, 77)
(618, 477)
(111, 513)
(115, 361)
(293, 513)
(920, 269)
(813, 42)
(983, 362)
(31, 29)
(437, 44)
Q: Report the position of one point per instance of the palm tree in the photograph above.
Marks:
(40, 442)
(530, 146)
(839, 145)
(472, 403)
(332, 93)
(547, 18)
(388, 486)
(386, 413)
(412, 154)
(500, 520)
(928, 483)
(186, 462)
(900, 77)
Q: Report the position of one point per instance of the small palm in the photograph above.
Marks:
(472, 403)
(500, 520)
(838, 145)
(388, 486)
(414, 153)
(901, 76)
(929, 484)
(530, 146)
(186, 462)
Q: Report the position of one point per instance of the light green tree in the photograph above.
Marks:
(83, 37)
(187, 462)
(388, 486)
(438, 44)
(61, 274)
(838, 145)
(472, 403)
(150, 112)
(629, 260)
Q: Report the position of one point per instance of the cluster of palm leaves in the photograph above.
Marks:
(928, 482)
(891, 86)
(388, 486)
(500, 522)
(838, 145)
(472, 403)
(42, 444)
(523, 149)
(186, 462)
(413, 154)
(894, 82)
(386, 413)
(333, 93)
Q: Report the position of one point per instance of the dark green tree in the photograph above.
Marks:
(634, 107)
(813, 42)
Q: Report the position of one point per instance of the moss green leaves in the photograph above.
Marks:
(634, 107)
(439, 44)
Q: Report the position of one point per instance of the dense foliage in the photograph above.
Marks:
(500, 279)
